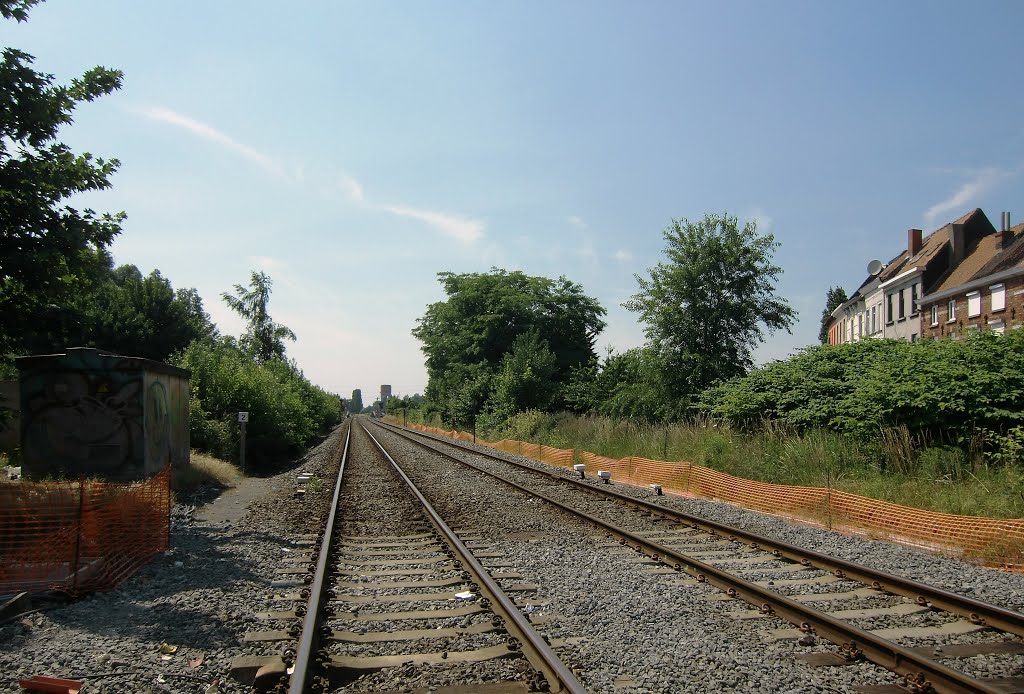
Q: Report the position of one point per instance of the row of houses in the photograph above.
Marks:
(964, 277)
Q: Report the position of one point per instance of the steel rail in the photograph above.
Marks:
(309, 641)
(975, 611)
(918, 669)
(544, 658)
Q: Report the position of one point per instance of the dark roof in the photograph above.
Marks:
(931, 246)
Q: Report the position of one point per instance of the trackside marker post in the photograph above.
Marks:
(243, 417)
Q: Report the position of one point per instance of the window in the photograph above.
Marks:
(902, 309)
(874, 319)
(913, 300)
(973, 304)
(973, 329)
(888, 308)
(997, 326)
(913, 337)
(951, 311)
(860, 326)
(935, 314)
(998, 296)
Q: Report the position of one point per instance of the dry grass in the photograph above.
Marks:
(205, 469)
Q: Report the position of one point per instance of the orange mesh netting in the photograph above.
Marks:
(993, 542)
(77, 537)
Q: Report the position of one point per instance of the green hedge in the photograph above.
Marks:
(944, 390)
(286, 411)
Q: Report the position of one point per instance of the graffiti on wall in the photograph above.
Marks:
(88, 413)
(92, 419)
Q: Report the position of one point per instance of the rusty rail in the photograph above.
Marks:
(853, 640)
(559, 677)
(309, 640)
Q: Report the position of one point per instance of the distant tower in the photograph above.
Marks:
(385, 393)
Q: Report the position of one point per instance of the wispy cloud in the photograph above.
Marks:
(576, 222)
(461, 228)
(207, 132)
(354, 189)
(981, 182)
(622, 255)
(265, 262)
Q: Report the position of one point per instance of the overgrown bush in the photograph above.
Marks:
(942, 391)
(286, 412)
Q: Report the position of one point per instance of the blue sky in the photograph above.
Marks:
(354, 150)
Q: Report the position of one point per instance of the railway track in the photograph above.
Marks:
(935, 640)
(391, 595)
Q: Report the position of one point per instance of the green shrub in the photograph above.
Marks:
(286, 412)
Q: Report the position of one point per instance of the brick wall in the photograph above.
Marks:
(1012, 315)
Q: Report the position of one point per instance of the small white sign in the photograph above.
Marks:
(243, 416)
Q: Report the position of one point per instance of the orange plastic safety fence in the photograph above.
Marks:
(993, 542)
(78, 537)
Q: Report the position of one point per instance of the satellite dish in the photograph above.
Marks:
(874, 267)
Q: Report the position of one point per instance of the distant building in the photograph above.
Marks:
(385, 393)
(985, 291)
(888, 303)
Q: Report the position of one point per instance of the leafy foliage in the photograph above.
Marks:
(704, 307)
(264, 338)
(47, 248)
(286, 412)
(627, 385)
(120, 311)
(524, 378)
(834, 298)
(466, 337)
(941, 390)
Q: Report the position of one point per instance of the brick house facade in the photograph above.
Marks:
(984, 292)
(889, 303)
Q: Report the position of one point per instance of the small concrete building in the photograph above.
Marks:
(88, 413)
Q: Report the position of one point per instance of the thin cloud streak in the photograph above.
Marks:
(461, 228)
(982, 182)
(207, 132)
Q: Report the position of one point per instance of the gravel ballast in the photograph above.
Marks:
(629, 631)
(200, 597)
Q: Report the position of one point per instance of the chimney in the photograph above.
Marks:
(913, 242)
(957, 243)
(1005, 234)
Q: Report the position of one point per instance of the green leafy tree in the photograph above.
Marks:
(264, 338)
(47, 247)
(465, 337)
(145, 316)
(706, 307)
(355, 405)
(834, 298)
(524, 378)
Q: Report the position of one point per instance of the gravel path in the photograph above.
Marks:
(199, 597)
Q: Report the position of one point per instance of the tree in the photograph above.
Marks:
(355, 405)
(704, 307)
(47, 248)
(145, 316)
(834, 298)
(466, 336)
(264, 339)
(524, 379)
